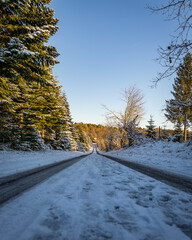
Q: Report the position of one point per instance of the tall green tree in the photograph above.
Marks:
(31, 101)
(179, 108)
(49, 109)
(27, 24)
(150, 132)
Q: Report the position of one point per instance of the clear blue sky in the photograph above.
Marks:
(107, 46)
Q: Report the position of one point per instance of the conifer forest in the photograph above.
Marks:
(33, 109)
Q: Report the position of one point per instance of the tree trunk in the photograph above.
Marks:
(43, 133)
(185, 132)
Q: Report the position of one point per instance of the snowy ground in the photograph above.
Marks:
(170, 156)
(97, 199)
(17, 161)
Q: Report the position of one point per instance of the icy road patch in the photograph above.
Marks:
(98, 199)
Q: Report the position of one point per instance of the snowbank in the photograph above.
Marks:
(175, 157)
(17, 161)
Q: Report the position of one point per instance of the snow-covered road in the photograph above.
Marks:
(97, 198)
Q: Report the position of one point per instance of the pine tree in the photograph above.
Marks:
(12, 86)
(84, 141)
(29, 25)
(179, 109)
(164, 133)
(32, 106)
(25, 60)
(177, 128)
(71, 131)
(64, 126)
(151, 133)
(52, 117)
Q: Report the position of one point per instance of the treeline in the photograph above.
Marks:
(110, 138)
(33, 109)
(107, 138)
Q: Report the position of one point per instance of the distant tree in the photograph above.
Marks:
(172, 56)
(150, 132)
(179, 109)
(106, 137)
(177, 127)
(128, 119)
(84, 141)
(112, 138)
(164, 132)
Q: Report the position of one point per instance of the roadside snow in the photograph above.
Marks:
(170, 156)
(98, 199)
(17, 161)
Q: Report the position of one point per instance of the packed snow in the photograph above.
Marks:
(171, 156)
(18, 161)
(98, 199)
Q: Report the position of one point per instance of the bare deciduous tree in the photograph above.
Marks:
(171, 56)
(128, 119)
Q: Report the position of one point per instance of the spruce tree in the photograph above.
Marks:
(12, 87)
(179, 108)
(31, 102)
(51, 113)
(177, 127)
(150, 132)
(25, 27)
(84, 141)
(63, 127)
(164, 133)
(71, 133)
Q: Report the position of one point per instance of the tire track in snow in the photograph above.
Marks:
(15, 184)
(98, 199)
(178, 181)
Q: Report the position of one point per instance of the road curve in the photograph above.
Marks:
(15, 184)
(178, 181)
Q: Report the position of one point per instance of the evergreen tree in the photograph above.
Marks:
(25, 27)
(179, 109)
(29, 25)
(177, 128)
(164, 133)
(151, 133)
(62, 125)
(84, 141)
(32, 105)
(72, 135)
(12, 86)
(52, 117)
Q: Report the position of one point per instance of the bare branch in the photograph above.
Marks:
(171, 57)
(132, 114)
